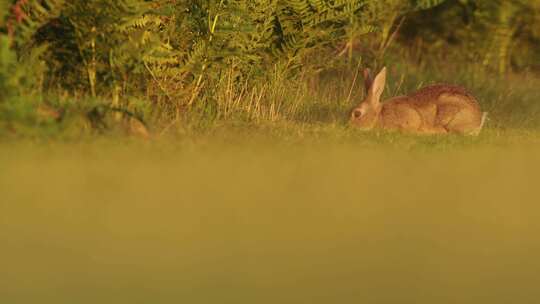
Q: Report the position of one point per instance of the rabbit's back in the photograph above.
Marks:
(437, 93)
(433, 109)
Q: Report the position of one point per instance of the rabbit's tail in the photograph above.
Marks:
(482, 123)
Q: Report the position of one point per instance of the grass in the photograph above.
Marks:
(266, 220)
(307, 103)
(274, 200)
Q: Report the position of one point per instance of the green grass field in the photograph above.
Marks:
(267, 195)
(201, 152)
(275, 200)
(279, 215)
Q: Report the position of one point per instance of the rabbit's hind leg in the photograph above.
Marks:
(467, 121)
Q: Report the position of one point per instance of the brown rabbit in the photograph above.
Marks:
(436, 109)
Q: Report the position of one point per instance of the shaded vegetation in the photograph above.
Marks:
(171, 63)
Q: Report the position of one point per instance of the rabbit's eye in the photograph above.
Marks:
(357, 113)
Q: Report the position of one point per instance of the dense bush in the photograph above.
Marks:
(175, 54)
(499, 34)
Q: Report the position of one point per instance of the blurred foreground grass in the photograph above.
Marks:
(267, 220)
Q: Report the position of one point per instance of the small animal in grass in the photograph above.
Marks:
(435, 109)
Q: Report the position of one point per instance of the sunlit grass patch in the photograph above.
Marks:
(333, 216)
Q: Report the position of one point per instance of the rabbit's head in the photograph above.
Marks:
(367, 113)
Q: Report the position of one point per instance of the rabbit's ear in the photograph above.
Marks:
(377, 87)
(367, 79)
